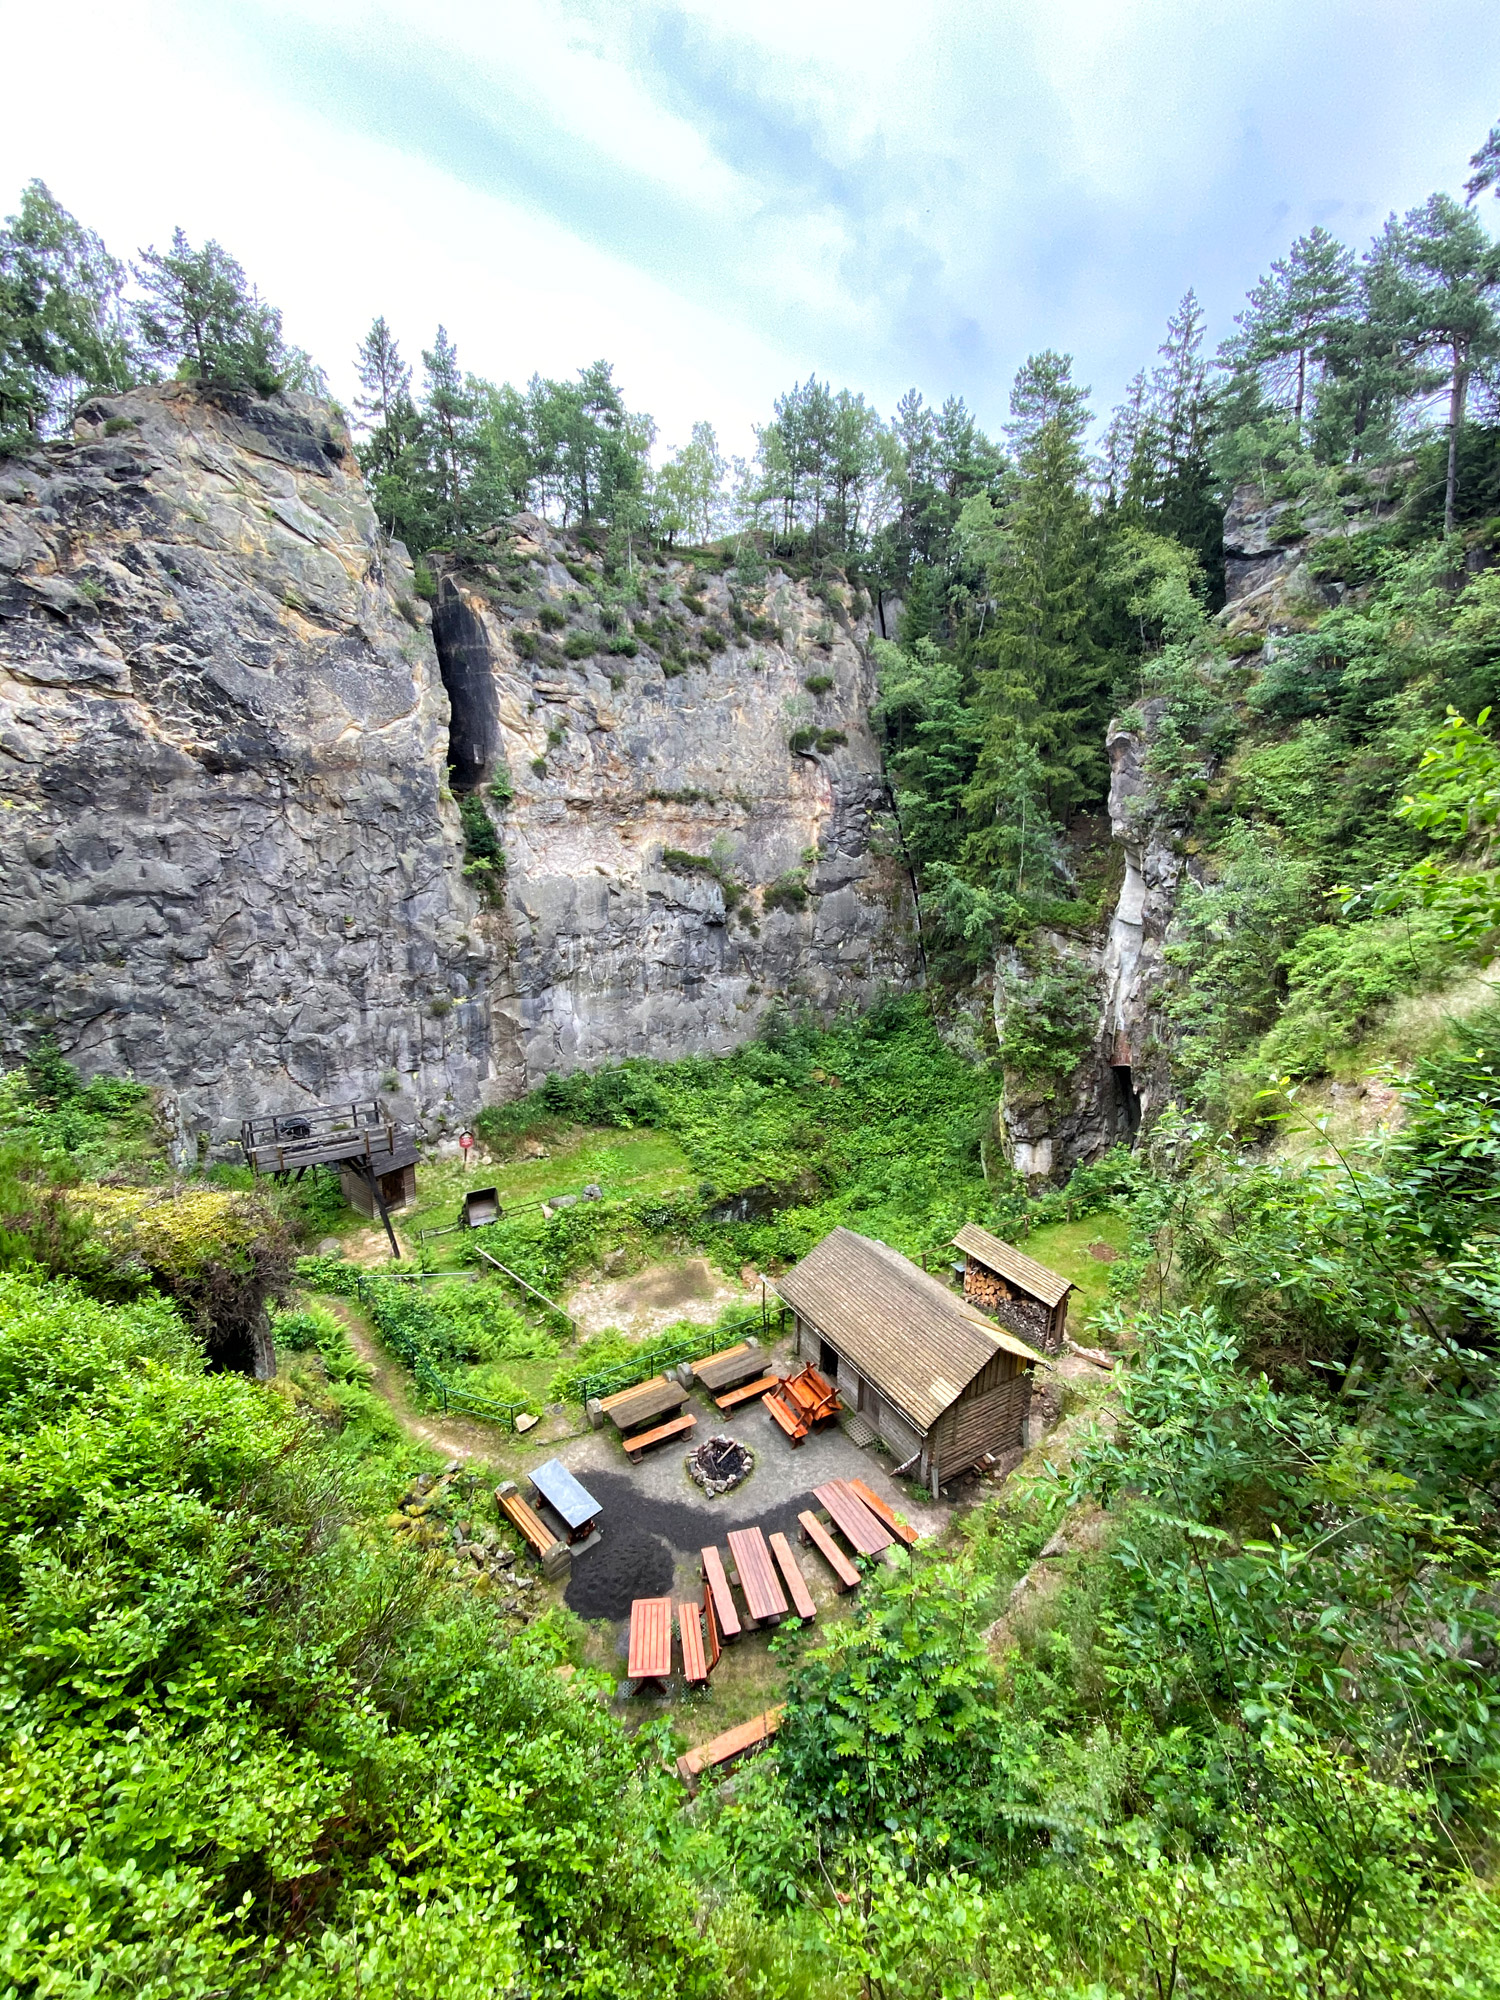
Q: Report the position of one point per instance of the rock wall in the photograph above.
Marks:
(232, 864)
(673, 864)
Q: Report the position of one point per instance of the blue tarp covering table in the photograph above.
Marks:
(563, 1494)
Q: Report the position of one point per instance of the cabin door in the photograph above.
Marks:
(828, 1361)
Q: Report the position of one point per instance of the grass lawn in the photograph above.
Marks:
(1064, 1247)
(621, 1162)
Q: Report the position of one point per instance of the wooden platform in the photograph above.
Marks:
(757, 1572)
(325, 1135)
(718, 1583)
(643, 1441)
(629, 1408)
(864, 1531)
(690, 1635)
(796, 1582)
(902, 1530)
(735, 1397)
(751, 1735)
(650, 1639)
(814, 1532)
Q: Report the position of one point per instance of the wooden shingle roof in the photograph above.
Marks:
(904, 1331)
(1008, 1262)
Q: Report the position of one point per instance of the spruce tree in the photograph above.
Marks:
(201, 316)
(1040, 681)
(391, 428)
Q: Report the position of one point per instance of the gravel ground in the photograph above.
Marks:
(655, 1520)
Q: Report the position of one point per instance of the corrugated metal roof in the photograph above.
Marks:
(903, 1330)
(1008, 1261)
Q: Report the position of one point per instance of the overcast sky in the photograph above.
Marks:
(721, 199)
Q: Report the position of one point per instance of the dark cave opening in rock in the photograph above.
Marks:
(1127, 1097)
(464, 661)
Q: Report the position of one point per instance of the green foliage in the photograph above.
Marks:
(1050, 1014)
(254, 1690)
(201, 317)
(818, 683)
(485, 857)
(62, 333)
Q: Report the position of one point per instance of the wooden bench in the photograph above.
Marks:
(552, 1553)
(751, 1735)
(690, 1632)
(796, 1582)
(718, 1584)
(794, 1430)
(737, 1396)
(650, 1639)
(813, 1531)
(758, 1580)
(882, 1512)
(860, 1528)
(644, 1440)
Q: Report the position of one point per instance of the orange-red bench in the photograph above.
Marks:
(718, 1584)
(796, 1583)
(644, 1440)
(813, 1531)
(690, 1632)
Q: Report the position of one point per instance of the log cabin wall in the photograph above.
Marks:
(993, 1420)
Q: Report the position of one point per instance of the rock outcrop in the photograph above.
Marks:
(233, 864)
(673, 862)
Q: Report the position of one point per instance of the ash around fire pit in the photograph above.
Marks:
(719, 1463)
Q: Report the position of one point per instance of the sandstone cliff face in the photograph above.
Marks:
(628, 770)
(230, 859)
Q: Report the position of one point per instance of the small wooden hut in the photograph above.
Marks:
(1022, 1294)
(937, 1381)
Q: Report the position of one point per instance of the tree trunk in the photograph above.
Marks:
(1455, 424)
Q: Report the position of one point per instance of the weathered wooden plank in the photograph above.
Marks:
(718, 1583)
(627, 1413)
(853, 1519)
(730, 1365)
(734, 1397)
(623, 1395)
(650, 1656)
(690, 1633)
(758, 1579)
(796, 1582)
(882, 1512)
(735, 1742)
(794, 1430)
(711, 1627)
(644, 1440)
(814, 1532)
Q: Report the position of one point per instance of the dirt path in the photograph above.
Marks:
(455, 1437)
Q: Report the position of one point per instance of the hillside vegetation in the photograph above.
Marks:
(1236, 1738)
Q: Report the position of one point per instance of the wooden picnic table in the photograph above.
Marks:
(628, 1409)
(758, 1579)
(718, 1584)
(796, 1582)
(844, 1571)
(901, 1529)
(733, 1743)
(572, 1503)
(650, 1639)
(863, 1530)
(730, 1366)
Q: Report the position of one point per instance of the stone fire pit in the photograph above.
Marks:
(720, 1463)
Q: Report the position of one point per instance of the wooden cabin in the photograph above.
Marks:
(1022, 1294)
(942, 1385)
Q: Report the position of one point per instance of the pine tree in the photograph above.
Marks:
(1040, 682)
(201, 316)
(1291, 316)
(1454, 274)
(448, 420)
(388, 418)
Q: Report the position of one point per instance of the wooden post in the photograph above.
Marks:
(367, 1168)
